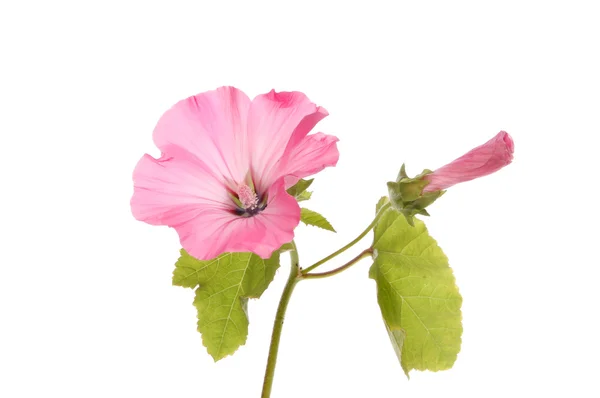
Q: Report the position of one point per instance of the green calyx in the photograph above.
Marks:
(406, 194)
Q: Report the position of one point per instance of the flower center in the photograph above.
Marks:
(248, 202)
(247, 197)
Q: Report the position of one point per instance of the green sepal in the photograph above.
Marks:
(249, 181)
(411, 189)
(395, 194)
(236, 200)
(406, 194)
(424, 212)
(427, 199)
(402, 174)
(264, 200)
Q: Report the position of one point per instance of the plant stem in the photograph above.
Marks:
(363, 254)
(296, 274)
(349, 245)
(278, 325)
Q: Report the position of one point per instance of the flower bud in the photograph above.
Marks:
(410, 196)
(406, 194)
(478, 162)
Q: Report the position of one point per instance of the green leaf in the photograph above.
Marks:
(189, 271)
(300, 187)
(224, 286)
(417, 294)
(303, 196)
(310, 217)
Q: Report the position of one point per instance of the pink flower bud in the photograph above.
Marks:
(478, 162)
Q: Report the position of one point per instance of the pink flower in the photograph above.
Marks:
(226, 163)
(478, 162)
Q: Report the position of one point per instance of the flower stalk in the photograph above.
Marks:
(293, 279)
(296, 275)
(381, 211)
(318, 275)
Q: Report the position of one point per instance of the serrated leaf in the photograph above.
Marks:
(224, 286)
(417, 294)
(310, 217)
(189, 271)
(301, 186)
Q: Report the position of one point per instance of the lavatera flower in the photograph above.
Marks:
(225, 166)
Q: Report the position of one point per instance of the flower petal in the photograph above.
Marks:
(212, 127)
(214, 232)
(276, 120)
(311, 155)
(478, 162)
(279, 220)
(209, 233)
(173, 189)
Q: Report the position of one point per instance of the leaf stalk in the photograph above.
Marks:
(365, 253)
(381, 211)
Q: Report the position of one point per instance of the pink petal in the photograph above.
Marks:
(210, 233)
(478, 162)
(171, 190)
(279, 219)
(311, 155)
(275, 121)
(211, 126)
(209, 143)
(214, 232)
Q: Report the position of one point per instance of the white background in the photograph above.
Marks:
(86, 303)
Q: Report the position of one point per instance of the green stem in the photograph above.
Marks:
(278, 325)
(365, 253)
(296, 274)
(349, 245)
